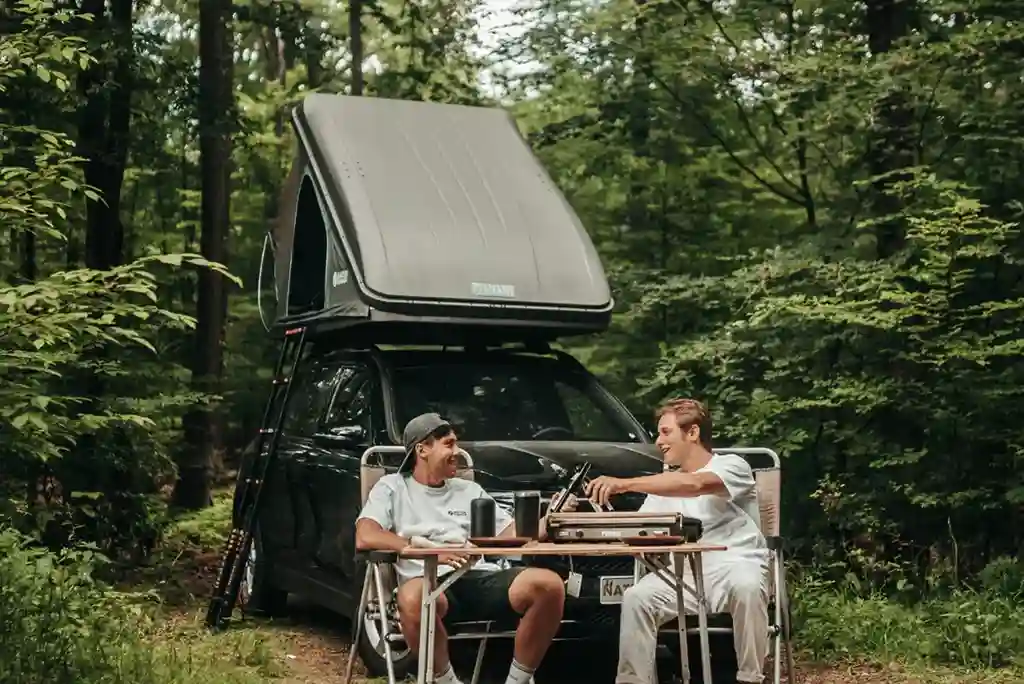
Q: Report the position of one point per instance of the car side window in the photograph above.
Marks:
(314, 384)
(352, 402)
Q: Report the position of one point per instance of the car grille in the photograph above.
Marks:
(589, 567)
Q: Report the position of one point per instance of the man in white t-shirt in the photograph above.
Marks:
(719, 490)
(425, 499)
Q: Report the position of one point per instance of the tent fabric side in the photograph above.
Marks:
(313, 274)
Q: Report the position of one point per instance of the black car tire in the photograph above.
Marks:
(371, 649)
(256, 594)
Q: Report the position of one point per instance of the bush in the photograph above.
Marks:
(59, 625)
(56, 623)
(968, 628)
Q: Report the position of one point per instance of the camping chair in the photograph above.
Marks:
(380, 580)
(768, 480)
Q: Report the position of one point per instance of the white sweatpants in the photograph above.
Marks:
(738, 586)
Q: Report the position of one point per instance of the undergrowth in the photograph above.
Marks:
(974, 628)
(60, 625)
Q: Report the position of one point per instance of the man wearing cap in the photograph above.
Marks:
(425, 499)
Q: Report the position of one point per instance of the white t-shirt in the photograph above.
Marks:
(402, 505)
(729, 519)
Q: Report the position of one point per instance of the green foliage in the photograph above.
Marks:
(37, 165)
(61, 626)
(970, 629)
(88, 389)
(814, 237)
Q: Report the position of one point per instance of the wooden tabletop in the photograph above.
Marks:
(566, 549)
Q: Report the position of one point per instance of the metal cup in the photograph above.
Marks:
(482, 518)
(527, 514)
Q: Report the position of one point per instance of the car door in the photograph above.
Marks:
(286, 518)
(345, 432)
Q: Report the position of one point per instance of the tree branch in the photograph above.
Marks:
(710, 129)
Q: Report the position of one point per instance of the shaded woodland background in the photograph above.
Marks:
(809, 210)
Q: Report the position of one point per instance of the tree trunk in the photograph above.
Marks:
(203, 425)
(104, 122)
(893, 141)
(355, 31)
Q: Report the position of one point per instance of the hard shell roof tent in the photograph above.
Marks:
(399, 213)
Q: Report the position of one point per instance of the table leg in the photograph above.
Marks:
(697, 567)
(428, 616)
(679, 570)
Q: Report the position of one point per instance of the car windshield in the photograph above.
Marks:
(510, 401)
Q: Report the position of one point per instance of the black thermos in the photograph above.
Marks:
(481, 518)
(527, 514)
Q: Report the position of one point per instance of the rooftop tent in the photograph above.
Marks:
(398, 212)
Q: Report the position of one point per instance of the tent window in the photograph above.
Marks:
(309, 254)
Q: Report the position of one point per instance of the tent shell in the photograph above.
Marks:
(402, 214)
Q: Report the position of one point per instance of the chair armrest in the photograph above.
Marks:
(377, 556)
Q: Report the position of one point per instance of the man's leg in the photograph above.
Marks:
(537, 595)
(741, 589)
(646, 606)
(410, 597)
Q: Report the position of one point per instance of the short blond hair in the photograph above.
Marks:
(689, 412)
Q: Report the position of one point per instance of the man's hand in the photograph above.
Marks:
(571, 502)
(455, 559)
(601, 489)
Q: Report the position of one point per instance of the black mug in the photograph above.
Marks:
(527, 514)
(482, 518)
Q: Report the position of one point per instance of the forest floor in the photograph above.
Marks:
(310, 645)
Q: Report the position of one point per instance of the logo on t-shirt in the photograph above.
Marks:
(457, 514)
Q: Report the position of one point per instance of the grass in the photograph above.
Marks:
(899, 673)
(970, 629)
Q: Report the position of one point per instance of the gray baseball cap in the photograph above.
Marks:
(418, 429)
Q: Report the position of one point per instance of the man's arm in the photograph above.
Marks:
(373, 527)
(678, 484)
(670, 484)
(370, 536)
(727, 475)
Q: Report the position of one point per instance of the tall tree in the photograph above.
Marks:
(103, 128)
(203, 425)
(355, 28)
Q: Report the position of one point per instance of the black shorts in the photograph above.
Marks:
(481, 595)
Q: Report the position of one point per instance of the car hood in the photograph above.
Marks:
(548, 465)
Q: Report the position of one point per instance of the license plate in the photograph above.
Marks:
(613, 587)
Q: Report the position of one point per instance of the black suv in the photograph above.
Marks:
(526, 419)
(416, 223)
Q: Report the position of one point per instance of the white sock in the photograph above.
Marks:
(447, 677)
(519, 674)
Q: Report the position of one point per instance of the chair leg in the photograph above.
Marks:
(777, 627)
(385, 628)
(787, 633)
(478, 666)
(357, 628)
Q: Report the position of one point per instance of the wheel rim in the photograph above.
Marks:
(248, 576)
(371, 628)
